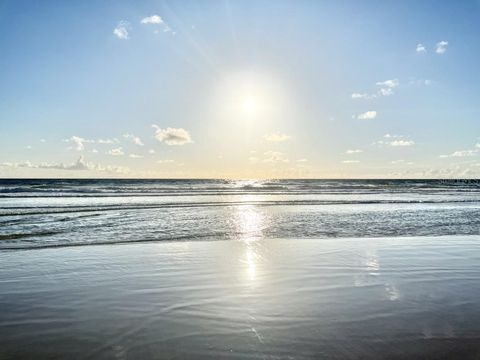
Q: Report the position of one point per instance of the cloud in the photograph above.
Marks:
(274, 157)
(302, 160)
(350, 161)
(78, 142)
(172, 136)
(107, 141)
(151, 151)
(420, 48)
(401, 142)
(371, 114)
(395, 141)
(121, 31)
(80, 164)
(156, 20)
(461, 153)
(356, 151)
(276, 137)
(386, 89)
(43, 140)
(135, 139)
(165, 161)
(135, 156)
(441, 47)
(116, 152)
(393, 83)
(360, 96)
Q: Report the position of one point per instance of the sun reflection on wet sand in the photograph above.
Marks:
(249, 223)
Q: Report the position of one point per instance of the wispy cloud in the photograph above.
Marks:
(360, 96)
(420, 48)
(172, 136)
(371, 114)
(135, 156)
(441, 47)
(158, 21)
(461, 153)
(402, 142)
(276, 137)
(79, 165)
(350, 161)
(116, 152)
(78, 142)
(356, 151)
(122, 29)
(386, 89)
(396, 141)
(107, 141)
(135, 139)
(387, 86)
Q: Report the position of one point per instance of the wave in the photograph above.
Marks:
(45, 210)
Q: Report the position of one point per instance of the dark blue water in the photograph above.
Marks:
(44, 213)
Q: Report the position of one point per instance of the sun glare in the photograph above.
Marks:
(249, 106)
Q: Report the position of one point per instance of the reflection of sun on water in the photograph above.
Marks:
(250, 255)
(249, 223)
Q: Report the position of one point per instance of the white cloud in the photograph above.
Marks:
(356, 151)
(387, 87)
(386, 91)
(350, 161)
(95, 151)
(116, 152)
(402, 142)
(151, 151)
(274, 157)
(172, 136)
(360, 96)
(302, 160)
(441, 47)
(165, 161)
(393, 83)
(135, 139)
(79, 165)
(276, 137)
(156, 20)
(135, 156)
(367, 115)
(28, 147)
(78, 141)
(121, 31)
(395, 141)
(420, 48)
(43, 140)
(107, 141)
(461, 153)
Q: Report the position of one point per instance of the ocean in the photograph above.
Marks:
(223, 269)
(49, 213)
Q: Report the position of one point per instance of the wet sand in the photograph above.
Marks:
(266, 299)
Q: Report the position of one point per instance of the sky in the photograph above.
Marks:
(240, 89)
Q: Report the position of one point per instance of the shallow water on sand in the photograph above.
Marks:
(266, 299)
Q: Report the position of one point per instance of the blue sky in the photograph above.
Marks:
(239, 89)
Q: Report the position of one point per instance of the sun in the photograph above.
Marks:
(249, 105)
